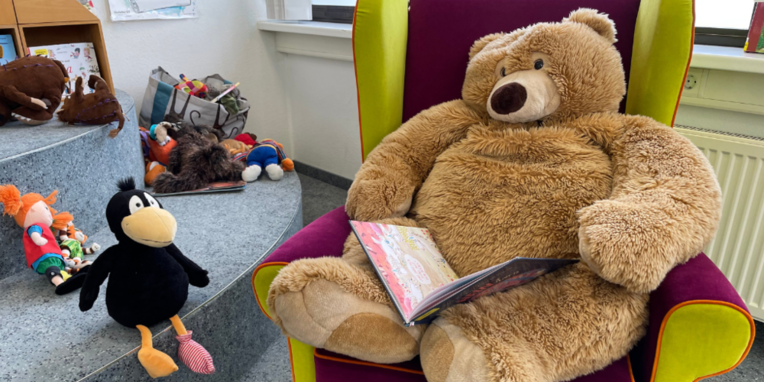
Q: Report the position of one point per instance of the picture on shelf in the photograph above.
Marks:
(79, 59)
(7, 49)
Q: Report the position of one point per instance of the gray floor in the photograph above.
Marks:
(319, 198)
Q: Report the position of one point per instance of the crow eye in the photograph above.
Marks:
(152, 202)
(503, 72)
(135, 204)
(538, 64)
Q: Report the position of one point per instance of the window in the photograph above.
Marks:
(334, 11)
(722, 22)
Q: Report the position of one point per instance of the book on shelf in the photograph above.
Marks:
(78, 58)
(755, 41)
(7, 49)
(420, 282)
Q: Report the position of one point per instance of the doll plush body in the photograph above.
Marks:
(148, 278)
(30, 89)
(95, 108)
(269, 155)
(34, 214)
(533, 161)
(71, 240)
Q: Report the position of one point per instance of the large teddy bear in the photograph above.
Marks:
(533, 161)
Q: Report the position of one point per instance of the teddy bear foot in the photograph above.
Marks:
(325, 316)
(448, 356)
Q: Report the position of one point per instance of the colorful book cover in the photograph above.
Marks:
(419, 280)
(7, 49)
(755, 41)
(78, 58)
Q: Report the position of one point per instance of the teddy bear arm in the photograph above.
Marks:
(386, 182)
(664, 208)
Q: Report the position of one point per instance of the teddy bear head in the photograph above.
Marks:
(547, 71)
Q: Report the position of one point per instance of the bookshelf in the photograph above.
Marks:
(48, 22)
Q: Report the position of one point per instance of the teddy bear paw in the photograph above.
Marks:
(251, 173)
(275, 172)
(324, 315)
(448, 356)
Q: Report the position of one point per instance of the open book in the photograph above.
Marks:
(419, 280)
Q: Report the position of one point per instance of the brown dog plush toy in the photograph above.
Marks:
(30, 89)
(533, 161)
(97, 108)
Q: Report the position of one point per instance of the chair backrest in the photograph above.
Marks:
(408, 60)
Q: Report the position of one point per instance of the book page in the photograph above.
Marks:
(407, 260)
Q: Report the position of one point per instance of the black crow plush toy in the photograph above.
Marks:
(149, 278)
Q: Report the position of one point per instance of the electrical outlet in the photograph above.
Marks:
(692, 84)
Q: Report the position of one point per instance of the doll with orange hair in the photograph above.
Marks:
(33, 213)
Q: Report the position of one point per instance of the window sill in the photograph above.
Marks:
(312, 38)
(726, 58)
(315, 28)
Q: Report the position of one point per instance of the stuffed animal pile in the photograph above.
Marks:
(44, 254)
(533, 161)
(181, 156)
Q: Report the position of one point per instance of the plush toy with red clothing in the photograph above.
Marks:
(266, 154)
(35, 214)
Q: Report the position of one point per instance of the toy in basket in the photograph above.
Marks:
(192, 87)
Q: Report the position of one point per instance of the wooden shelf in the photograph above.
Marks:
(7, 13)
(50, 22)
(51, 11)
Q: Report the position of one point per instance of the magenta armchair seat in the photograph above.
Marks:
(698, 281)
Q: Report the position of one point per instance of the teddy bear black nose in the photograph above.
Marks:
(509, 98)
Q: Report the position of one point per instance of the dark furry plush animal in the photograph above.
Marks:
(196, 162)
(182, 127)
(148, 277)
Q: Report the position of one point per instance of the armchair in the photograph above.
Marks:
(407, 60)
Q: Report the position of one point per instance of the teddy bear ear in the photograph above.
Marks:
(482, 42)
(597, 21)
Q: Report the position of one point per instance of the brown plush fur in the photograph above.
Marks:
(25, 82)
(626, 194)
(95, 108)
(196, 162)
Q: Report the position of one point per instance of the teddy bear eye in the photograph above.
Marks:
(538, 64)
(503, 72)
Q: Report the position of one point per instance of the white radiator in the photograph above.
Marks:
(738, 248)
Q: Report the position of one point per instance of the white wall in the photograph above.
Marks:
(323, 113)
(222, 40)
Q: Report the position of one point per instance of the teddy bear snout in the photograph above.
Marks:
(523, 96)
(509, 98)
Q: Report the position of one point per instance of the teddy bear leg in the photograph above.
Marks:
(340, 305)
(251, 173)
(561, 326)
